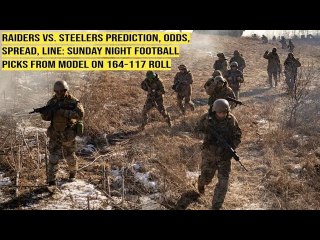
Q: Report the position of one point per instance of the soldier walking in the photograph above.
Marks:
(274, 67)
(183, 87)
(237, 57)
(66, 124)
(234, 78)
(215, 158)
(291, 65)
(221, 64)
(154, 86)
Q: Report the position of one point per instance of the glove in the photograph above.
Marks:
(266, 52)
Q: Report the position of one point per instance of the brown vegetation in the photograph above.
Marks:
(281, 158)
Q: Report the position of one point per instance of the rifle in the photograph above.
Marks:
(176, 86)
(54, 107)
(152, 93)
(226, 145)
(235, 101)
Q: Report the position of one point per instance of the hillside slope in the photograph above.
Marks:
(158, 167)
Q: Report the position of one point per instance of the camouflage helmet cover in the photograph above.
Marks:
(60, 85)
(182, 67)
(236, 53)
(220, 55)
(221, 105)
(234, 64)
(150, 75)
(219, 79)
(216, 73)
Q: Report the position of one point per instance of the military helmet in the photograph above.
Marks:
(150, 75)
(290, 54)
(274, 49)
(60, 85)
(236, 53)
(182, 67)
(234, 64)
(220, 55)
(221, 105)
(216, 73)
(219, 79)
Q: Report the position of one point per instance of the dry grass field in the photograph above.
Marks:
(157, 168)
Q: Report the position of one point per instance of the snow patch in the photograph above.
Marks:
(192, 175)
(87, 150)
(4, 181)
(76, 195)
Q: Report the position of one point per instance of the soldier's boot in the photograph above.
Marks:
(143, 124)
(182, 108)
(51, 177)
(72, 176)
(270, 82)
(168, 120)
(201, 189)
(52, 183)
(191, 105)
(216, 207)
(219, 194)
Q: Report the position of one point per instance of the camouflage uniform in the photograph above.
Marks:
(283, 43)
(216, 91)
(237, 57)
(290, 46)
(291, 65)
(273, 65)
(221, 64)
(155, 90)
(62, 132)
(183, 82)
(209, 86)
(264, 39)
(234, 78)
(214, 156)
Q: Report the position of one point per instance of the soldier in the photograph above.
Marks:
(66, 124)
(237, 57)
(209, 86)
(219, 88)
(183, 86)
(234, 78)
(221, 64)
(291, 65)
(283, 43)
(290, 46)
(154, 86)
(214, 156)
(264, 39)
(273, 66)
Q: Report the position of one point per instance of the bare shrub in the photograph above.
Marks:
(296, 98)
